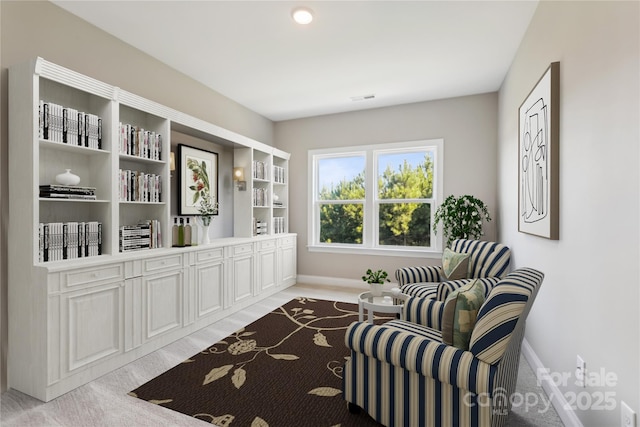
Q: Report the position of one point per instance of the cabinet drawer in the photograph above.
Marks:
(209, 255)
(267, 244)
(93, 275)
(242, 249)
(163, 263)
(288, 241)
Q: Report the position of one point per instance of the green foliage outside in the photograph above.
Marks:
(401, 223)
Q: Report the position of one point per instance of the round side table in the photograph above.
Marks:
(390, 302)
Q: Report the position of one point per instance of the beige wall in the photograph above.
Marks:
(468, 126)
(588, 304)
(34, 28)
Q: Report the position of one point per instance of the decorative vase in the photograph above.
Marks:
(67, 178)
(205, 222)
(376, 289)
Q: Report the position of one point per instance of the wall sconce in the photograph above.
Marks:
(238, 177)
(172, 163)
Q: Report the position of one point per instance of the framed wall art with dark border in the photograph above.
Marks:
(538, 162)
(197, 176)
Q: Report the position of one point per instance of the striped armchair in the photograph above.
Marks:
(402, 374)
(488, 261)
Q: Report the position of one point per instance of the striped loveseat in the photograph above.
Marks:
(488, 261)
(402, 374)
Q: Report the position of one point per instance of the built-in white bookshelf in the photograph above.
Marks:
(72, 320)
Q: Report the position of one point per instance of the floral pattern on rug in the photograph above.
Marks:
(285, 369)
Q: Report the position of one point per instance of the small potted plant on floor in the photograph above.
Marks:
(375, 279)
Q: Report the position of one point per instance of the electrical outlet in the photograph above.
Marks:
(628, 417)
(581, 371)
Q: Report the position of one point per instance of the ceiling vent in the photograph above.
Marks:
(363, 97)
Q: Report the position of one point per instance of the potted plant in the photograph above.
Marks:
(375, 279)
(461, 217)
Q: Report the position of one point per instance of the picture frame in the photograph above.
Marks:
(538, 161)
(197, 174)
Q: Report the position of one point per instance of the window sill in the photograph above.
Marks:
(377, 251)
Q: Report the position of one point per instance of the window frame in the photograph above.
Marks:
(370, 237)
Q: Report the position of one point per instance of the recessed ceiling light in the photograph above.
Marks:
(302, 15)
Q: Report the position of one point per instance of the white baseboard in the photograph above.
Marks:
(337, 282)
(565, 412)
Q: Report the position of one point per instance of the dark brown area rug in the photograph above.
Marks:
(285, 369)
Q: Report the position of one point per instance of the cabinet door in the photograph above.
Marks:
(163, 296)
(242, 277)
(92, 323)
(266, 269)
(209, 284)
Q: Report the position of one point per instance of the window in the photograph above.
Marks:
(374, 199)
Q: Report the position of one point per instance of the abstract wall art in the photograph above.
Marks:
(538, 162)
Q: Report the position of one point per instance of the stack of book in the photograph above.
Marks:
(260, 197)
(70, 126)
(278, 224)
(259, 170)
(144, 235)
(67, 192)
(135, 141)
(259, 227)
(278, 174)
(69, 240)
(138, 186)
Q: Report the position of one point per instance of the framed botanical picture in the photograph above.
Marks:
(538, 163)
(197, 178)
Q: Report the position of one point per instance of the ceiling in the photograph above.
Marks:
(253, 52)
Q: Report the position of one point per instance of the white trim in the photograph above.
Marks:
(338, 282)
(560, 404)
(381, 251)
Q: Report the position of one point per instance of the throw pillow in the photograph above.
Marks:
(454, 264)
(460, 312)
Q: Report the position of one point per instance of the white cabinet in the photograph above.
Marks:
(287, 260)
(209, 281)
(242, 273)
(74, 317)
(92, 326)
(267, 264)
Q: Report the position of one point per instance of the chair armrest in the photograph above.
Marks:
(445, 288)
(427, 273)
(418, 354)
(424, 311)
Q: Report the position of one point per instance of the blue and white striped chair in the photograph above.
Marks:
(488, 261)
(402, 374)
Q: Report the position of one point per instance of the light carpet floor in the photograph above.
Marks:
(104, 402)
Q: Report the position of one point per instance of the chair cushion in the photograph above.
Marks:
(454, 264)
(460, 312)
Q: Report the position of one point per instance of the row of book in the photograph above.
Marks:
(260, 197)
(278, 174)
(259, 227)
(259, 170)
(136, 141)
(144, 235)
(69, 240)
(67, 192)
(68, 125)
(136, 186)
(278, 224)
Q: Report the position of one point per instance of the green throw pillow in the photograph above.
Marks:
(454, 264)
(460, 312)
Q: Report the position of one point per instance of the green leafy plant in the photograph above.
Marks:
(207, 207)
(461, 217)
(379, 276)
